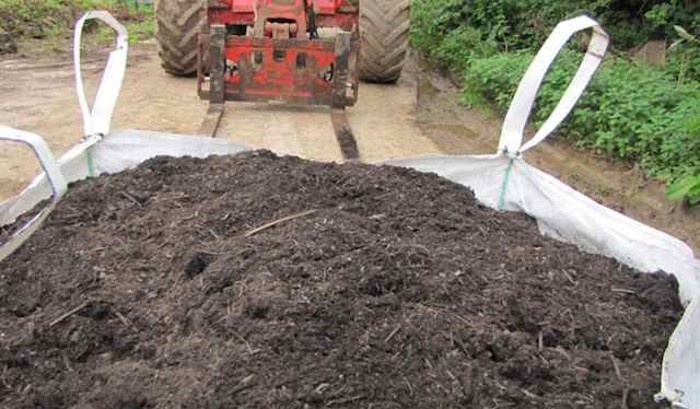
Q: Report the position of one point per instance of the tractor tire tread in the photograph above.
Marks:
(384, 29)
(178, 24)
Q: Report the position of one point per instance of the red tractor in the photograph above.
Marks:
(308, 52)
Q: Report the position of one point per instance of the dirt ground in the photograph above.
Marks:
(167, 286)
(419, 115)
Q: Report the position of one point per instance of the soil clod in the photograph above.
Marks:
(197, 264)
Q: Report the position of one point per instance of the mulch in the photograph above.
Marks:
(257, 281)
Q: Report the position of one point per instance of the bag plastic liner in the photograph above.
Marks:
(503, 181)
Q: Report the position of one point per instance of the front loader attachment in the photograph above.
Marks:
(318, 72)
(270, 51)
(290, 71)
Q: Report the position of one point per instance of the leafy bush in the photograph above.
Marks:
(524, 24)
(493, 80)
(630, 111)
(437, 29)
(46, 18)
(685, 188)
(684, 58)
(36, 18)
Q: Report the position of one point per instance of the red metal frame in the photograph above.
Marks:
(330, 13)
(280, 62)
(295, 71)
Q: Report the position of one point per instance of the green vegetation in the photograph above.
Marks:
(631, 111)
(525, 24)
(49, 19)
(687, 187)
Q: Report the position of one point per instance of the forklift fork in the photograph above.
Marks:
(297, 72)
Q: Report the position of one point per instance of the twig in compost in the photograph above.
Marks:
(410, 388)
(244, 384)
(463, 320)
(68, 314)
(462, 347)
(622, 290)
(128, 196)
(279, 221)
(123, 319)
(568, 277)
(216, 236)
(188, 218)
(439, 385)
(243, 340)
(319, 389)
(391, 335)
(618, 373)
(66, 361)
(563, 352)
(625, 395)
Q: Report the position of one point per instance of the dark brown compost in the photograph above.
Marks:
(378, 287)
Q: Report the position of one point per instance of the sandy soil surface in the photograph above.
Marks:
(419, 115)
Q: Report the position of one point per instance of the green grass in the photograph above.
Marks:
(52, 20)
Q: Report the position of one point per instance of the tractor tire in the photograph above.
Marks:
(384, 26)
(178, 23)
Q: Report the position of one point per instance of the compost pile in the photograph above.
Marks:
(166, 287)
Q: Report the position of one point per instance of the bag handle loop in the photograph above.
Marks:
(511, 141)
